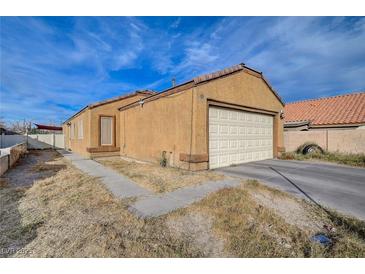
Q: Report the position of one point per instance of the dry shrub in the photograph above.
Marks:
(287, 156)
(357, 160)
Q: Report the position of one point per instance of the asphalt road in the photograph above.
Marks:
(335, 186)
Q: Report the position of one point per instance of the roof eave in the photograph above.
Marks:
(150, 98)
(76, 114)
(296, 123)
(105, 102)
(200, 80)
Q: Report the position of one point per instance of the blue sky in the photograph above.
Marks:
(53, 66)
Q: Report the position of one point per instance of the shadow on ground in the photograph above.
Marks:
(13, 186)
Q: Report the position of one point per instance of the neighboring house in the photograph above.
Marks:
(338, 112)
(228, 117)
(4, 131)
(45, 129)
(94, 130)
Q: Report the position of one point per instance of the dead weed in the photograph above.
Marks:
(157, 178)
(254, 224)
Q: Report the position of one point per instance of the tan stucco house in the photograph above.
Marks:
(228, 117)
(82, 131)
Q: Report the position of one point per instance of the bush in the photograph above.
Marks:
(336, 157)
(163, 160)
(287, 156)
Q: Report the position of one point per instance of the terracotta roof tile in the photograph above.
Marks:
(121, 97)
(217, 74)
(114, 99)
(202, 79)
(341, 109)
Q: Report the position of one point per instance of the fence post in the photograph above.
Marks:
(54, 141)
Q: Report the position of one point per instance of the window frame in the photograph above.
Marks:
(72, 130)
(112, 129)
(80, 130)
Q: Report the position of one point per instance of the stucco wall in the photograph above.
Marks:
(75, 144)
(110, 109)
(169, 123)
(161, 125)
(91, 126)
(15, 153)
(345, 141)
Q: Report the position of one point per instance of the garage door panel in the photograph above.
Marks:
(238, 137)
(214, 145)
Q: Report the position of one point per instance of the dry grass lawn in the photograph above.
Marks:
(69, 214)
(157, 178)
(257, 221)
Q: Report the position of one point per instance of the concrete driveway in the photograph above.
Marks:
(335, 186)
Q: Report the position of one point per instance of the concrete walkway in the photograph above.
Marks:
(119, 185)
(148, 204)
(158, 205)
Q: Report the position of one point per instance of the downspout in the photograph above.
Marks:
(124, 135)
(191, 124)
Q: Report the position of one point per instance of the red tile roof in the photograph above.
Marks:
(336, 110)
(217, 74)
(39, 126)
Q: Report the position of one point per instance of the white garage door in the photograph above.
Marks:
(237, 136)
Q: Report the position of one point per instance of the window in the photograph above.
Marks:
(72, 130)
(106, 131)
(74, 133)
(80, 132)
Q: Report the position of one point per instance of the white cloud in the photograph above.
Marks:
(176, 23)
(303, 57)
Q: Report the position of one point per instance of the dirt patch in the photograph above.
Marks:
(14, 183)
(294, 211)
(252, 224)
(196, 227)
(33, 166)
(157, 178)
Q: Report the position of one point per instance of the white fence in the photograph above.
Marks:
(35, 141)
